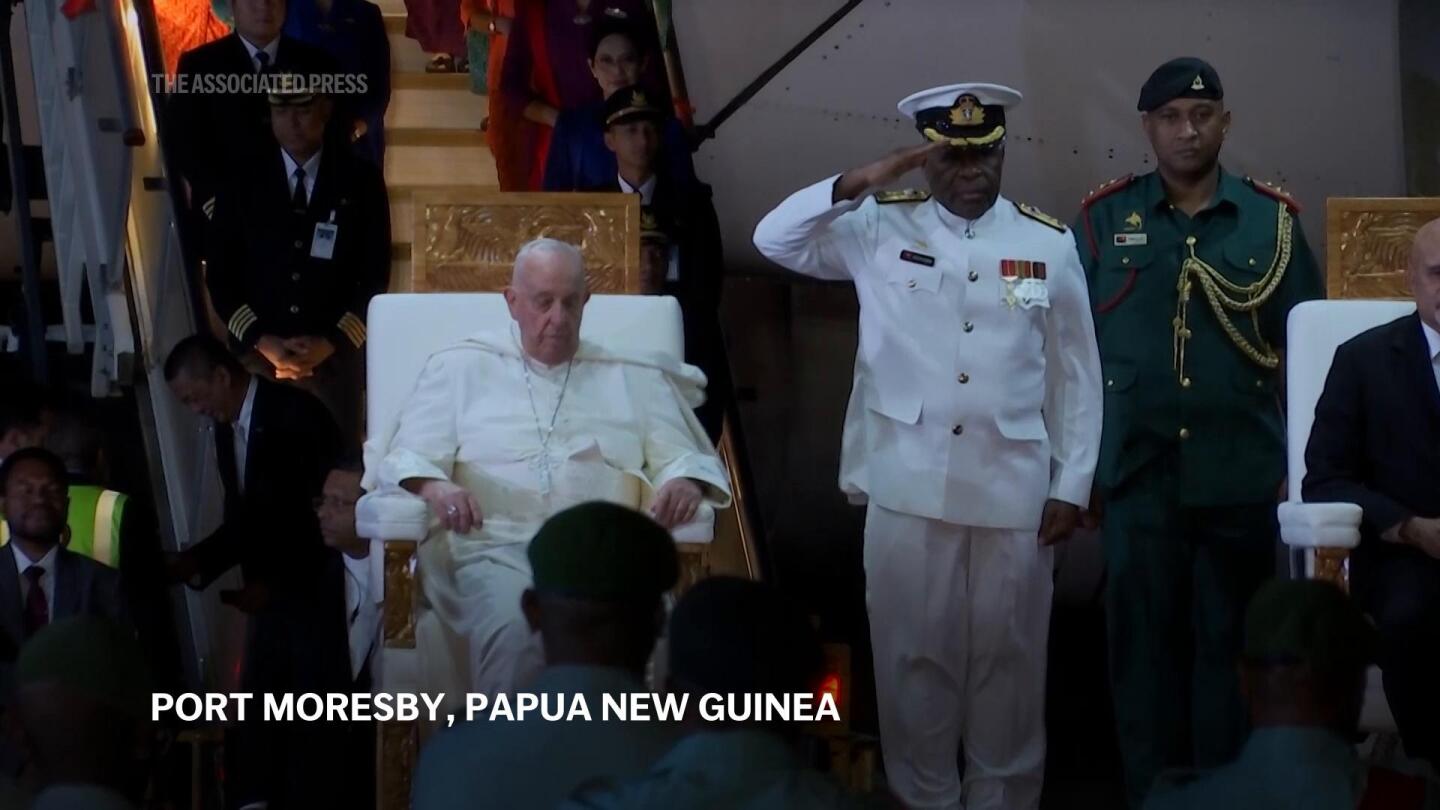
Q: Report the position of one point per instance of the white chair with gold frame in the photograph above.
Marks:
(404, 330)
(1325, 532)
(1367, 249)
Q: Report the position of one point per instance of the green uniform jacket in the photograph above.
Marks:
(1217, 407)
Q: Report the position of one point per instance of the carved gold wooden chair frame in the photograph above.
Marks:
(466, 241)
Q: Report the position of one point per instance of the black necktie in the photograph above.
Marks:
(225, 458)
(37, 609)
(263, 59)
(298, 198)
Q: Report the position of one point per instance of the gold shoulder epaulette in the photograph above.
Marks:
(1106, 189)
(1274, 192)
(1040, 216)
(907, 195)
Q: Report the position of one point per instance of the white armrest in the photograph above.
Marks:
(392, 514)
(1320, 525)
(699, 530)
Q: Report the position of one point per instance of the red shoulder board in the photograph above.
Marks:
(1106, 190)
(1274, 192)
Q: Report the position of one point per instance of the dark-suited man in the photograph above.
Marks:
(41, 581)
(274, 446)
(302, 244)
(693, 269)
(210, 131)
(356, 619)
(1376, 443)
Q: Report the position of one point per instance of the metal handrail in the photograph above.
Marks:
(24, 223)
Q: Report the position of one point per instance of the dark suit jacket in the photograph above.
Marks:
(687, 214)
(256, 263)
(271, 530)
(1376, 439)
(83, 587)
(208, 131)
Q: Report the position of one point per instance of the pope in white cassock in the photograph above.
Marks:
(512, 425)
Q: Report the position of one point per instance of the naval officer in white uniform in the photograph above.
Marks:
(973, 431)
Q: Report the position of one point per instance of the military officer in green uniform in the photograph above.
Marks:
(1192, 272)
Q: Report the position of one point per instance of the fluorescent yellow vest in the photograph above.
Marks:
(94, 519)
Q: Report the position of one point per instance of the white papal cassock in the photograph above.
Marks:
(976, 399)
(623, 426)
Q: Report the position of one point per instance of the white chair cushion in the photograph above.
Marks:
(392, 514)
(1320, 525)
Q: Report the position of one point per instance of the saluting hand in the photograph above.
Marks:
(676, 502)
(1058, 522)
(883, 172)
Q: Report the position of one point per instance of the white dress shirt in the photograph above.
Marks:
(47, 580)
(363, 598)
(270, 51)
(241, 429)
(647, 196)
(311, 167)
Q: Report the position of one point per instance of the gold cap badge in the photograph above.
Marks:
(967, 112)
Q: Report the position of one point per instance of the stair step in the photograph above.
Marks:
(400, 274)
(443, 82)
(435, 137)
(434, 101)
(405, 53)
(439, 166)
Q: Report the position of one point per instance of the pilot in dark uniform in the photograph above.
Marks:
(302, 243)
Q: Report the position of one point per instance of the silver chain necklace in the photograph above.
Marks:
(542, 463)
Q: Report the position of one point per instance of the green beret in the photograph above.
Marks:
(605, 552)
(1186, 77)
(90, 656)
(1307, 621)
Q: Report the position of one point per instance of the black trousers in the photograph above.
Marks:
(1399, 587)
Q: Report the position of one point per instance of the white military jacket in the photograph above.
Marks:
(977, 379)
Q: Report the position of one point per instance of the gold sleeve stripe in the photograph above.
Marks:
(243, 319)
(354, 328)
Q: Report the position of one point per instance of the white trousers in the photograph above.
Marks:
(959, 618)
(480, 642)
